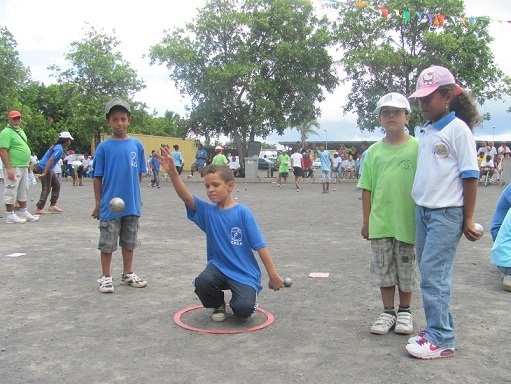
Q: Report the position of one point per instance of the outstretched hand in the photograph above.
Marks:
(166, 160)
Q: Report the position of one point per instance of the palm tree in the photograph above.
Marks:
(306, 129)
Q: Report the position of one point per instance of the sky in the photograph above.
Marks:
(45, 29)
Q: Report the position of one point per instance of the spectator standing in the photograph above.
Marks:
(284, 161)
(49, 180)
(200, 161)
(307, 165)
(154, 166)
(326, 167)
(119, 163)
(386, 184)
(219, 158)
(297, 164)
(492, 151)
(15, 156)
(503, 149)
(58, 169)
(178, 158)
(69, 160)
(336, 168)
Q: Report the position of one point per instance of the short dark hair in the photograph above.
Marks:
(223, 171)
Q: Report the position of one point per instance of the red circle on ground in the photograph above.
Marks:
(177, 319)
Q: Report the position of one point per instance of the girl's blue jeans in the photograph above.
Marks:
(438, 235)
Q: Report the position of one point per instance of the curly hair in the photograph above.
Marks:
(223, 171)
(463, 105)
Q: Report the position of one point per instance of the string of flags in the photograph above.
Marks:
(436, 19)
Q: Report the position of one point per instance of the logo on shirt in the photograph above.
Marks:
(236, 236)
(134, 159)
(406, 165)
(441, 149)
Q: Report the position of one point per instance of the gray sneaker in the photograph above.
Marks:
(219, 314)
(383, 324)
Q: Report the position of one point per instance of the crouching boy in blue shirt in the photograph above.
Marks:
(231, 235)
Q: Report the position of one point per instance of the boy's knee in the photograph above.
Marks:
(242, 309)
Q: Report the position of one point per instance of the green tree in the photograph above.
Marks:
(97, 72)
(13, 75)
(382, 55)
(306, 129)
(250, 67)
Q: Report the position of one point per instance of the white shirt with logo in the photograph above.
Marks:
(447, 152)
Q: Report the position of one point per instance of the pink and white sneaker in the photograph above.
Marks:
(423, 349)
(416, 338)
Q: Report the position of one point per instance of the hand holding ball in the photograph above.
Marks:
(479, 228)
(117, 205)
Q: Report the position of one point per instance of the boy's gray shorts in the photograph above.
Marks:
(123, 230)
(393, 263)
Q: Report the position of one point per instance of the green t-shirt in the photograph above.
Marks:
(284, 161)
(16, 144)
(219, 159)
(388, 174)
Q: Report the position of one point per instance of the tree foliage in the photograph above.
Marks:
(250, 67)
(13, 75)
(97, 72)
(306, 128)
(386, 55)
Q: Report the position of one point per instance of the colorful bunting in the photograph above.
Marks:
(437, 20)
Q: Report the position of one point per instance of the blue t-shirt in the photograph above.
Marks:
(178, 158)
(231, 235)
(155, 163)
(54, 151)
(200, 157)
(119, 163)
(501, 209)
(324, 156)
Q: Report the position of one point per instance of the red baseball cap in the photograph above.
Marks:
(14, 114)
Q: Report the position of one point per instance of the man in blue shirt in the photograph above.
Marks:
(200, 161)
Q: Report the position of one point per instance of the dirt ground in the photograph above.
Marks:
(58, 328)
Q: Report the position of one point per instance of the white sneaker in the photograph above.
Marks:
(29, 217)
(416, 338)
(383, 324)
(106, 284)
(14, 219)
(404, 324)
(506, 283)
(423, 349)
(133, 280)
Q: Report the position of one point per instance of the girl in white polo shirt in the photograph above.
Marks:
(444, 191)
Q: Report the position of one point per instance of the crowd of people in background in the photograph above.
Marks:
(489, 159)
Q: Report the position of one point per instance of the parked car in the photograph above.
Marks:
(264, 164)
(316, 164)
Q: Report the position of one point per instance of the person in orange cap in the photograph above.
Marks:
(15, 155)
